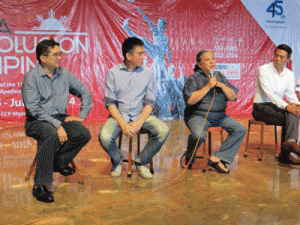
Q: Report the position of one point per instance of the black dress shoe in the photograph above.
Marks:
(216, 166)
(64, 171)
(41, 193)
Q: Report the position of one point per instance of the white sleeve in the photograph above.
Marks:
(290, 92)
(264, 83)
(298, 85)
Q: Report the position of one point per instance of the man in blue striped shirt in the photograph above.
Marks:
(59, 137)
(130, 99)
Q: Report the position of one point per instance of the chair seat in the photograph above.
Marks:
(256, 122)
(252, 121)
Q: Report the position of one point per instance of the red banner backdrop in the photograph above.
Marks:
(91, 33)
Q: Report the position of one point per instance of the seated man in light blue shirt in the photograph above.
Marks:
(130, 99)
(59, 137)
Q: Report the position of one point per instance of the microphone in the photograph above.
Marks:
(211, 73)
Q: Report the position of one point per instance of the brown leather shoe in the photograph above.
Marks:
(292, 147)
(284, 160)
(293, 160)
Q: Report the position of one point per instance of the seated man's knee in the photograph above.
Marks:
(196, 133)
(164, 131)
(105, 137)
(244, 130)
(241, 129)
(82, 134)
(87, 136)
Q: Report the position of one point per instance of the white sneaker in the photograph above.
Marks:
(117, 171)
(144, 171)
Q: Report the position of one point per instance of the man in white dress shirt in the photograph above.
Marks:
(273, 83)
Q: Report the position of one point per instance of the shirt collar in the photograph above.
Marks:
(123, 67)
(41, 71)
(275, 71)
(203, 74)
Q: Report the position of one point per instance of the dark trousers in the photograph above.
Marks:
(273, 115)
(49, 150)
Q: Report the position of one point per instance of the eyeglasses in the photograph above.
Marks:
(56, 54)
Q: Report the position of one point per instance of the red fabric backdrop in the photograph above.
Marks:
(91, 33)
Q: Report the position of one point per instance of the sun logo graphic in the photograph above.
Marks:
(51, 23)
(17, 49)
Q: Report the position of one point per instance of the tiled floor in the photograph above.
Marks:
(253, 193)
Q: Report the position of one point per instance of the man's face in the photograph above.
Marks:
(280, 59)
(137, 58)
(208, 62)
(53, 59)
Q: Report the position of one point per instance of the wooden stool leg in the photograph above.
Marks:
(80, 178)
(209, 143)
(276, 142)
(247, 141)
(120, 141)
(138, 144)
(129, 173)
(222, 136)
(205, 157)
(261, 143)
(32, 167)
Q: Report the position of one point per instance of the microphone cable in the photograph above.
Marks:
(196, 146)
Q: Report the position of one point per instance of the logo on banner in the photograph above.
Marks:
(278, 18)
(17, 56)
(275, 8)
(15, 49)
(51, 23)
(232, 71)
(6, 26)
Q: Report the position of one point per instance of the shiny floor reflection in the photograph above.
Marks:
(253, 193)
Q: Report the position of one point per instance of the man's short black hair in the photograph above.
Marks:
(44, 47)
(129, 45)
(286, 48)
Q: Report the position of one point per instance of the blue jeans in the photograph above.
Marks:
(111, 130)
(236, 133)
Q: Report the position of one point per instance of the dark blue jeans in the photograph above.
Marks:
(49, 150)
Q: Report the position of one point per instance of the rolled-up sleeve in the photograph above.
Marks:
(150, 97)
(78, 89)
(189, 87)
(110, 97)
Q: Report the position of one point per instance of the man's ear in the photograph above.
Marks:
(43, 58)
(199, 64)
(128, 56)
